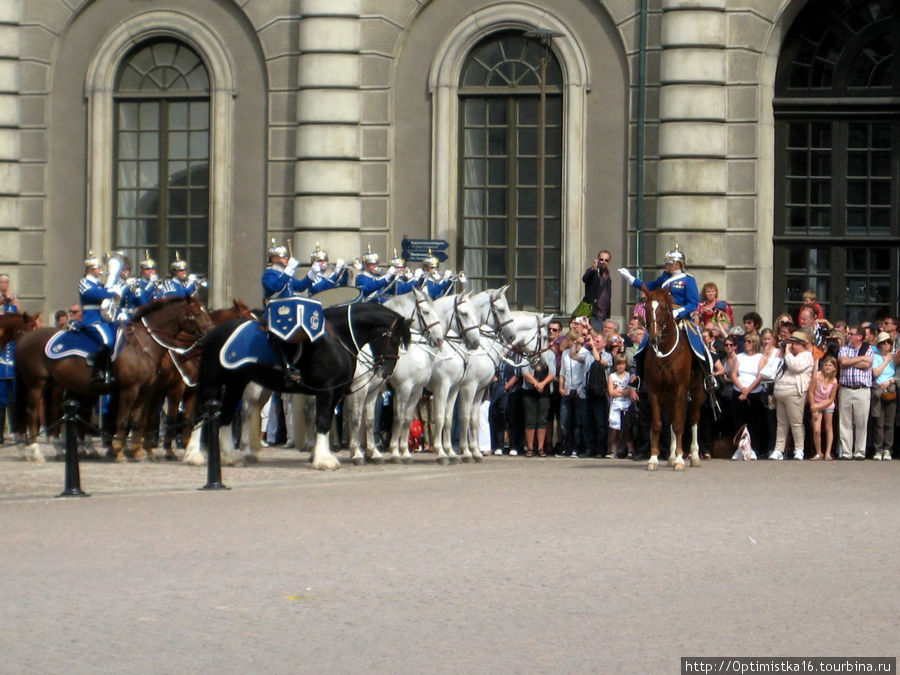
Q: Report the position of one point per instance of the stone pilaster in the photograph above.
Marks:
(329, 106)
(692, 207)
(10, 142)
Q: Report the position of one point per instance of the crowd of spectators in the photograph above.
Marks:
(804, 388)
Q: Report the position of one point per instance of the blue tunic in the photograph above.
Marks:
(369, 284)
(323, 283)
(90, 294)
(437, 289)
(174, 287)
(683, 288)
(277, 283)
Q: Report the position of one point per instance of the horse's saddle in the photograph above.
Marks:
(249, 343)
(286, 317)
(68, 343)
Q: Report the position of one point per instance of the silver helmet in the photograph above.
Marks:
(397, 261)
(276, 249)
(91, 261)
(148, 263)
(675, 256)
(431, 260)
(178, 264)
(370, 258)
(318, 255)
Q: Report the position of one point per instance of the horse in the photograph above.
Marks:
(177, 383)
(326, 366)
(12, 325)
(671, 377)
(164, 324)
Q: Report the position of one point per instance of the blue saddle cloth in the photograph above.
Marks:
(67, 343)
(249, 343)
(286, 316)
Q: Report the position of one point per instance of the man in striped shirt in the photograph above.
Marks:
(855, 359)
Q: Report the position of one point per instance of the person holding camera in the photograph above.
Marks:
(598, 289)
(573, 404)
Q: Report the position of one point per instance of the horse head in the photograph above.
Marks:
(427, 320)
(176, 323)
(501, 316)
(660, 312)
(13, 325)
(466, 321)
(386, 346)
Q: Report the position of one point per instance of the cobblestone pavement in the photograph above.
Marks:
(512, 565)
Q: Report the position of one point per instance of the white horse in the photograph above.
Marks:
(530, 339)
(430, 321)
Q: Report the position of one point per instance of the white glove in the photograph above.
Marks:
(628, 275)
(418, 274)
(154, 278)
(461, 278)
(339, 265)
(291, 266)
(679, 311)
(192, 278)
(118, 289)
(313, 273)
(448, 275)
(391, 273)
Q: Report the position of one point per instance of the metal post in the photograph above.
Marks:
(73, 474)
(214, 462)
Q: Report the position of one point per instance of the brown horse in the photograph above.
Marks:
(671, 380)
(177, 381)
(13, 325)
(171, 323)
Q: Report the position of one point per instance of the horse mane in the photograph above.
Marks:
(337, 315)
(155, 306)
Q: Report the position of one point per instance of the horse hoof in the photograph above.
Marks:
(377, 460)
(171, 456)
(443, 461)
(406, 459)
(478, 457)
(194, 458)
(250, 458)
(696, 463)
(359, 461)
(679, 466)
(652, 466)
(467, 458)
(454, 459)
(395, 459)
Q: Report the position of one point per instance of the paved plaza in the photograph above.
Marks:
(512, 565)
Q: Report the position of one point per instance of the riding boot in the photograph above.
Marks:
(101, 361)
(711, 385)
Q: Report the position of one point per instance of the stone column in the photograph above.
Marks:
(692, 207)
(328, 135)
(10, 142)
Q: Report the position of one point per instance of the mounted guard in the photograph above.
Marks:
(181, 283)
(141, 289)
(403, 282)
(324, 281)
(290, 319)
(683, 289)
(92, 294)
(369, 282)
(435, 283)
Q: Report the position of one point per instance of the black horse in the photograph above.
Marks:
(326, 366)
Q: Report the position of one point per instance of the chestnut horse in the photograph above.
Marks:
(177, 383)
(164, 324)
(13, 325)
(672, 380)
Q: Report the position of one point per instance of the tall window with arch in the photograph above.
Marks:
(837, 136)
(162, 155)
(511, 158)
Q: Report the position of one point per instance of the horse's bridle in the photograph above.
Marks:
(658, 334)
(460, 328)
(420, 317)
(498, 324)
(168, 336)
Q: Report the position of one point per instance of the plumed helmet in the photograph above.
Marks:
(397, 261)
(675, 255)
(318, 255)
(148, 263)
(91, 261)
(370, 258)
(178, 264)
(431, 260)
(276, 249)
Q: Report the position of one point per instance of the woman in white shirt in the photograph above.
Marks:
(750, 394)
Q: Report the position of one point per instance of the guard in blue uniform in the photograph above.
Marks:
(141, 290)
(181, 284)
(683, 288)
(91, 293)
(323, 281)
(278, 282)
(436, 284)
(8, 305)
(368, 281)
(404, 282)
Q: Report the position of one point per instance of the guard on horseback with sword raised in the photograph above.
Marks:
(91, 294)
(683, 289)
(290, 319)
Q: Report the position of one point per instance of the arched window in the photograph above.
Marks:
(511, 159)
(837, 136)
(162, 133)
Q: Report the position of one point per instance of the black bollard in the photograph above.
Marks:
(73, 474)
(214, 462)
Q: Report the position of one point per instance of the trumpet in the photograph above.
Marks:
(202, 282)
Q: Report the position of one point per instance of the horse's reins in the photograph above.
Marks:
(659, 333)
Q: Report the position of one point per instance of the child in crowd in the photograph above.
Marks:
(619, 403)
(822, 394)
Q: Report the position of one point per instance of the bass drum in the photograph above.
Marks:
(342, 295)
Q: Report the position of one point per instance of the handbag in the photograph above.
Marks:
(889, 394)
(585, 308)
